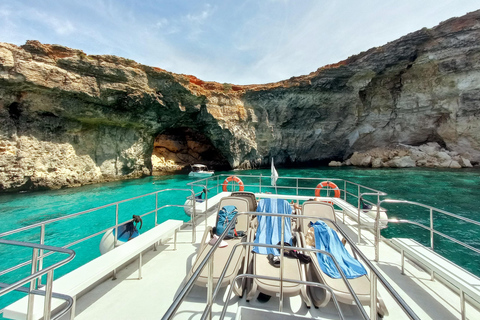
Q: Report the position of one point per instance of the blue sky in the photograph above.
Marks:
(240, 42)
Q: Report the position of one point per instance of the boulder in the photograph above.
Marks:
(361, 159)
(455, 165)
(377, 163)
(401, 162)
(443, 156)
(465, 163)
(416, 154)
(430, 148)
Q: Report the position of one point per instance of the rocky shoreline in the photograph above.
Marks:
(430, 155)
(70, 119)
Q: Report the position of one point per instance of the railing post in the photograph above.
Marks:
(260, 183)
(42, 241)
(282, 238)
(175, 239)
(48, 296)
(31, 296)
(376, 227)
(297, 186)
(206, 203)
(140, 266)
(156, 209)
(210, 287)
(462, 304)
(373, 295)
(402, 252)
(194, 216)
(116, 226)
(359, 221)
(72, 311)
(345, 190)
(431, 228)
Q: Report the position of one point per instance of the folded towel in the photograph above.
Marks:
(270, 228)
(327, 239)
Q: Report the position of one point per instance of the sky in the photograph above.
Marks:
(227, 41)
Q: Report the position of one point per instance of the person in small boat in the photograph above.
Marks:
(131, 226)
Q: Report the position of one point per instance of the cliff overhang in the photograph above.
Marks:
(69, 118)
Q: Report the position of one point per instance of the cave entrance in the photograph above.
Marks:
(176, 149)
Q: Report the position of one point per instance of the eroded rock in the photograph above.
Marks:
(103, 113)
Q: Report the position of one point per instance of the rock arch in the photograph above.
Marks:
(174, 149)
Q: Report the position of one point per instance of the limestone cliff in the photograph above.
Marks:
(70, 119)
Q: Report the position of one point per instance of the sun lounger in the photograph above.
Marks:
(221, 254)
(269, 232)
(361, 285)
(248, 195)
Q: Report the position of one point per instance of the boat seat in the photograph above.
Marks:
(250, 196)
(460, 278)
(80, 280)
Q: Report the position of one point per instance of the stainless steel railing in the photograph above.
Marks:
(258, 186)
(360, 194)
(44, 224)
(36, 275)
(40, 255)
(431, 228)
(374, 274)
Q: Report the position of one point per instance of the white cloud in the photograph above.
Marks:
(4, 12)
(162, 23)
(201, 16)
(231, 41)
(64, 27)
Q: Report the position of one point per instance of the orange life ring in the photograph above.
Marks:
(232, 178)
(327, 184)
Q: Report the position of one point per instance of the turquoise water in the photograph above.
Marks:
(451, 190)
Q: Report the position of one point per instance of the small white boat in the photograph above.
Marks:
(200, 171)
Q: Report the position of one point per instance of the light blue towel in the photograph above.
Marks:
(327, 239)
(269, 228)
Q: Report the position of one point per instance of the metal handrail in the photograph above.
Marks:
(67, 299)
(39, 224)
(189, 285)
(374, 272)
(43, 224)
(37, 275)
(360, 197)
(217, 178)
(436, 232)
(369, 191)
(430, 228)
(38, 258)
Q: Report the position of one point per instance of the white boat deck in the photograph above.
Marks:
(164, 271)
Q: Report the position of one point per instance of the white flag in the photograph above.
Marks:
(274, 175)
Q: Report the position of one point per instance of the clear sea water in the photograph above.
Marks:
(455, 191)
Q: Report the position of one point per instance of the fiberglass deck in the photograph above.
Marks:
(164, 272)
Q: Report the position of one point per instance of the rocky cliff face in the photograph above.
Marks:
(71, 119)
